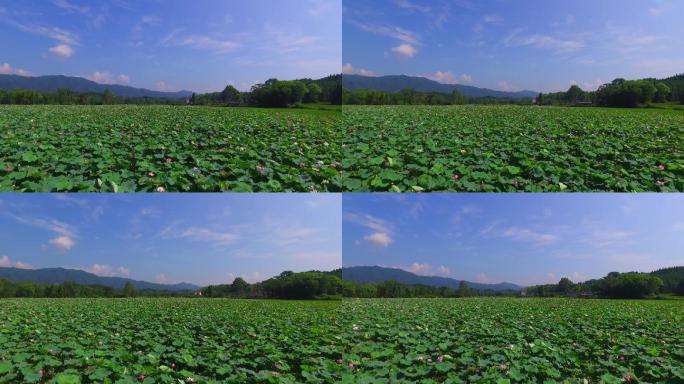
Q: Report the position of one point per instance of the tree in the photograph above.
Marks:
(231, 95)
(456, 97)
(463, 289)
(574, 94)
(540, 99)
(239, 286)
(129, 289)
(107, 97)
(192, 99)
(313, 93)
(565, 285)
(631, 285)
(662, 90)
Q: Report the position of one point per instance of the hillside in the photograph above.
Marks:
(375, 274)
(396, 83)
(60, 275)
(671, 276)
(81, 85)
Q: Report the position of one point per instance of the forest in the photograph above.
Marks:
(272, 93)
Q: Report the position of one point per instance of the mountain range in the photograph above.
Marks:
(80, 85)
(395, 83)
(61, 275)
(376, 274)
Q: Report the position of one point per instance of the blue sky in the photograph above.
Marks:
(521, 238)
(172, 44)
(170, 238)
(513, 45)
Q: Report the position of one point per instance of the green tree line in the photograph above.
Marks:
(409, 96)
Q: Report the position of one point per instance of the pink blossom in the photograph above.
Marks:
(661, 167)
(455, 177)
(168, 160)
(334, 164)
(621, 357)
(338, 361)
(274, 373)
(141, 377)
(161, 189)
(440, 358)
(151, 174)
(350, 365)
(503, 367)
(260, 169)
(189, 380)
(627, 378)
(173, 365)
(660, 182)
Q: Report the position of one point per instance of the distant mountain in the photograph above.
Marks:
(375, 275)
(60, 275)
(81, 85)
(396, 83)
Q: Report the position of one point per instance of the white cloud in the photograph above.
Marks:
(406, 4)
(55, 33)
(207, 235)
(5, 69)
(66, 234)
(493, 19)
(163, 86)
(483, 278)
(287, 235)
(442, 77)
(380, 239)
(466, 78)
(348, 69)
(406, 50)
(64, 4)
(525, 234)
(201, 42)
(517, 39)
(6, 262)
(108, 78)
(107, 270)
(23, 72)
(162, 279)
(62, 50)
(400, 34)
(425, 269)
(64, 243)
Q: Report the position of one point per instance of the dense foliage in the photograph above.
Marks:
(157, 148)
(68, 97)
(618, 93)
(126, 341)
(277, 93)
(511, 148)
(631, 285)
(287, 285)
(508, 340)
(409, 96)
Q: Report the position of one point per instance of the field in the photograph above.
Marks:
(68, 341)
(509, 340)
(512, 148)
(150, 148)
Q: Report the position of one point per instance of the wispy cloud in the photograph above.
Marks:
(107, 270)
(208, 235)
(201, 42)
(381, 230)
(69, 6)
(348, 69)
(517, 38)
(381, 239)
(108, 78)
(529, 235)
(425, 269)
(6, 69)
(66, 234)
(6, 262)
(411, 6)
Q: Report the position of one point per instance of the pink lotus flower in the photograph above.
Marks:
(503, 367)
(350, 365)
(621, 357)
(660, 182)
(440, 358)
(189, 380)
(274, 373)
(627, 378)
(455, 177)
(141, 377)
(661, 167)
(334, 164)
(260, 169)
(151, 174)
(338, 361)
(161, 189)
(173, 365)
(168, 160)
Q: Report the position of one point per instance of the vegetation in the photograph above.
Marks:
(273, 93)
(158, 148)
(509, 340)
(620, 93)
(632, 285)
(68, 341)
(511, 148)
(409, 96)
(287, 285)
